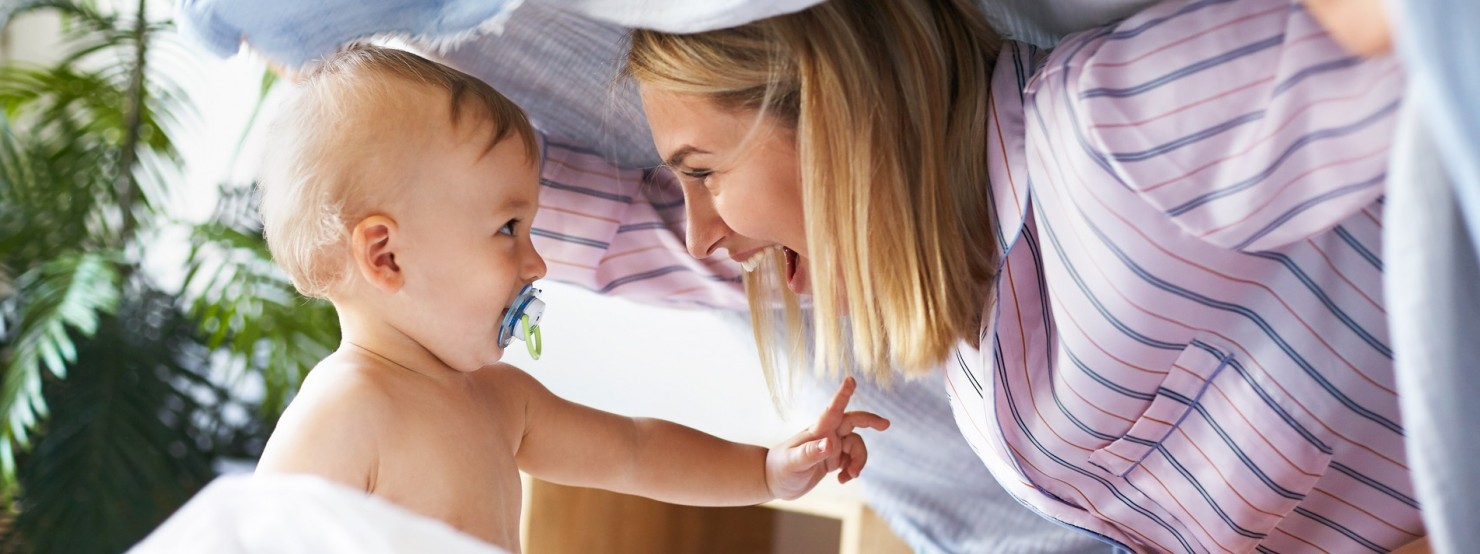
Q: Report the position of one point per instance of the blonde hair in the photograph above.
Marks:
(312, 184)
(889, 101)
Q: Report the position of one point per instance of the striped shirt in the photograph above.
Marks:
(621, 231)
(1187, 348)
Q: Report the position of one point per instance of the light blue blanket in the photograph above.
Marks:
(1433, 280)
(293, 32)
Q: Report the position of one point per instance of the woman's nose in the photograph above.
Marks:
(705, 228)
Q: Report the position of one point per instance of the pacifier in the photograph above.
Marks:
(522, 321)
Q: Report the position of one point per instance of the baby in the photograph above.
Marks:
(402, 191)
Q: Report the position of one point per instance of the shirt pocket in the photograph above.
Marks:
(1218, 451)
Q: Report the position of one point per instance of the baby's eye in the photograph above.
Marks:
(508, 228)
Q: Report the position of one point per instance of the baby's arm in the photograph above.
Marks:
(328, 432)
(572, 444)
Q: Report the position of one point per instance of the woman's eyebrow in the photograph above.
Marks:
(683, 152)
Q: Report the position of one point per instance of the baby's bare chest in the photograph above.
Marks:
(460, 470)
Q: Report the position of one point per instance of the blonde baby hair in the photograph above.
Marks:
(313, 183)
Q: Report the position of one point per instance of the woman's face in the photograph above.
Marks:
(740, 178)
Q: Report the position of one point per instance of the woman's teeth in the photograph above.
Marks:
(754, 261)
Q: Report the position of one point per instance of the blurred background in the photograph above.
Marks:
(148, 343)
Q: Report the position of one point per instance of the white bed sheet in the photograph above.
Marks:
(300, 514)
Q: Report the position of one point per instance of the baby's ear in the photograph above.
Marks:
(373, 245)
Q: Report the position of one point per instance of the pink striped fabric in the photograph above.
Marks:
(621, 231)
(1189, 352)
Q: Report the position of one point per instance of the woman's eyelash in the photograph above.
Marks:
(696, 173)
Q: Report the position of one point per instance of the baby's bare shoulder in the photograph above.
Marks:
(513, 393)
(332, 427)
(339, 397)
(340, 386)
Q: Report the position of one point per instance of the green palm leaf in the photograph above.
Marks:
(83, 16)
(247, 307)
(132, 435)
(114, 395)
(67, 292)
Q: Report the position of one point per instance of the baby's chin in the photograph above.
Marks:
(474, 361)
(495, 359)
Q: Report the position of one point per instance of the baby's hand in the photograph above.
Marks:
(795, 466)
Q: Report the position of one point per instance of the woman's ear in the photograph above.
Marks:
(373, 245)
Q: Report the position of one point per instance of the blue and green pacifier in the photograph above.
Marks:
(522, 321)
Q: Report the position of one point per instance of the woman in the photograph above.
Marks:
(1148, 259)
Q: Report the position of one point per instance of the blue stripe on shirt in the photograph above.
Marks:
(1023, 426)
(1151, 24)
(966, 369)
(1068, 104)
(647, 226)
(1356, 245)
(586, 191)
(1203, 491)
(570, 239)
(1325, 299)
(1400, 497)
(1341, 529)
(1244, 457)
(1112, 385)
(653, 274)
(1189, 139)
(1254, 318)
(1273, 405)
(1316, 69)
(1100, 307)
(1308, 204)
(1107, 437)
(1194, 68)
(1308, 138)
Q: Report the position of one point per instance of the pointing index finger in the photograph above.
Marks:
(833, 415)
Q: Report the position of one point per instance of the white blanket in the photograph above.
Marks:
(293, 514)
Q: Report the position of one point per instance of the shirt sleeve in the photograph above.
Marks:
(1241, 120)
(621, 232)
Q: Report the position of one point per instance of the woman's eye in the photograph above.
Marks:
(508, 228)
(696, 174)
